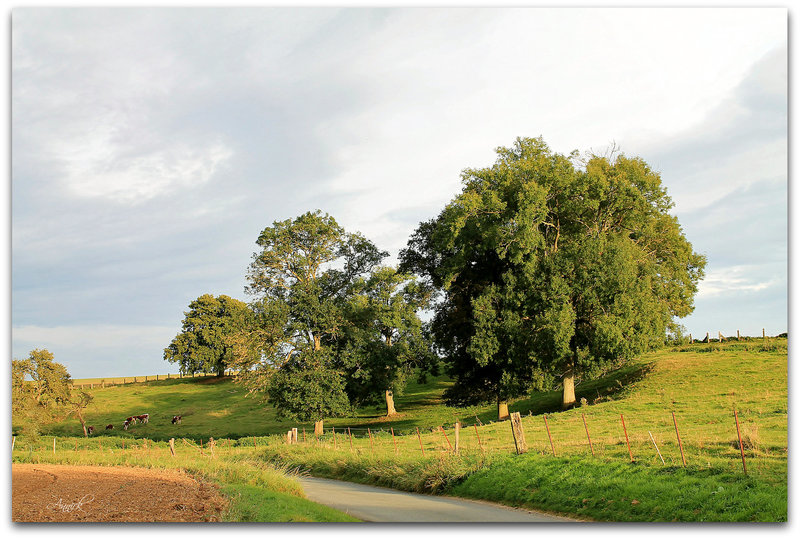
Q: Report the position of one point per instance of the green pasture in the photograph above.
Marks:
(696, 387)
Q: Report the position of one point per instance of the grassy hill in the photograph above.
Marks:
(701, 384)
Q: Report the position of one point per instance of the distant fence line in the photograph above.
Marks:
(118, 381)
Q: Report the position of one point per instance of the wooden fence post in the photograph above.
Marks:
(254, 443)
(547, 427)
(739, 434)
(737, 334)
(394, 441)
(349, 435)
(678, 434)
(171, 446)
(334, 437)
(371, 448)
(54, 446)
(457, 436)
(304, 435)
(763, 333)
(587, 433)
(516, 431)
(14, 439)
(625, 430)
(294, 435)
(419, 437)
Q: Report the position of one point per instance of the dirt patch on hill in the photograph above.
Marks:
(55, 493)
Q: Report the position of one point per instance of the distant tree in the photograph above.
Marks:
(77, 404)
(40, 389)
(301, 277)
(203, 345)
(552, 269)
(384, 340)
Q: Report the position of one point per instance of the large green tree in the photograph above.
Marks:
(301, 277)
(204, 344)
(384, 340)
(40, 390)
(553, 268)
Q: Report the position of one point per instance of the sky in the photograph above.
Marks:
(150, 147)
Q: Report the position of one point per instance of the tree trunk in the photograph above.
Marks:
(502, 409)
(318, 428)
(568, 394)
(390, 403)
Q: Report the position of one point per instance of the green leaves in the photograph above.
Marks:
(548, 268)
(205, 342)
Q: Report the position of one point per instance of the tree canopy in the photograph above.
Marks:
(552, 268)
(40, 389)
(301, 277)
(204, 343)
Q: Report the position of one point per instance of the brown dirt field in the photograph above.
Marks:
(57, 493)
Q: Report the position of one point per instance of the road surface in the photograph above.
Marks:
(377, 504)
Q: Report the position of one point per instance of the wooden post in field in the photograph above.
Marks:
(419, 437)
(171, 446)
(54, 446)
(350, 435)
(721, 338)
(14, 439)
(657, 451)
(517, 433)
(334, 437)
(304, 435)
(479, 437)
(457, 436)
(587, 433)
(289, 437)
(371, 448)
(625, 430)
(394, 441)
(547, 427)
(678, 434)
(763, 333)
(294, 435)
(211, 444)
(737, 334)
(739, 434)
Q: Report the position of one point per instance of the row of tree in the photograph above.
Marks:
(545, 270)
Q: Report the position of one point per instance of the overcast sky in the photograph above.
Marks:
(151, 146)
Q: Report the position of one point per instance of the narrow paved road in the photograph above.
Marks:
(377, 504)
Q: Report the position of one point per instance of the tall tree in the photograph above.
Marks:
(552, 269)
(40, 388)
(384, 340)
(203, 345)
(301, 277)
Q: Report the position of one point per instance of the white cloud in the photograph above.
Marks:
(101, 336)
(734, 280)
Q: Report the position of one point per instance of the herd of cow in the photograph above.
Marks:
(132, 420)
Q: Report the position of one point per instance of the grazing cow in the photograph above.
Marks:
(109, 427)
(144, 418)
(125, 425)
(89, 430)
(131, 420)
(176, 419)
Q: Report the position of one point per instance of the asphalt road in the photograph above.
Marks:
(377, 504)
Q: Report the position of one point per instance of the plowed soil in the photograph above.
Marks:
(55, 493)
